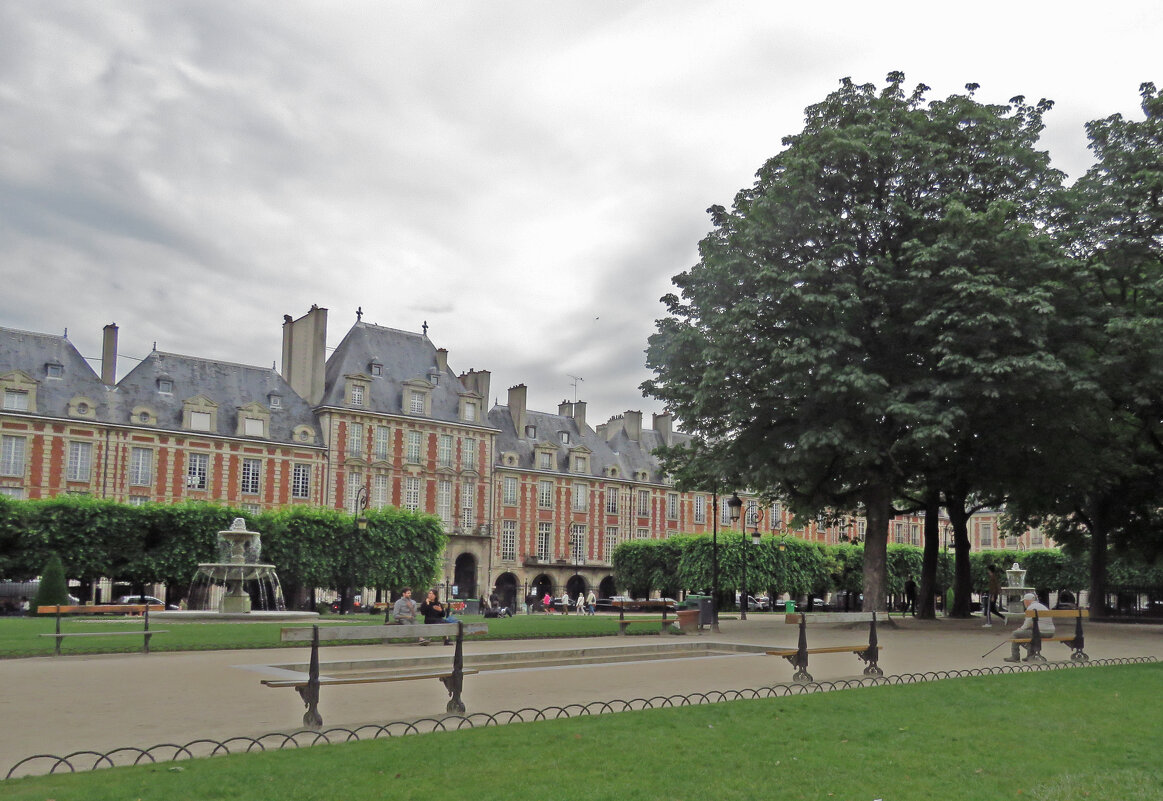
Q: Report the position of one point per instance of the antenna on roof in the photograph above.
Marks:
(576, 379)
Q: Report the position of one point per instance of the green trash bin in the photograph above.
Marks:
(789, 607)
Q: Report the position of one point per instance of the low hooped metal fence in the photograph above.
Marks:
(204, 747)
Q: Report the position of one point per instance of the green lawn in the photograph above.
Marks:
(19, 636)
(1064, 735)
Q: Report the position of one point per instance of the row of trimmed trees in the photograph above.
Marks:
(911, 309)
(781, 565)
(163, 543)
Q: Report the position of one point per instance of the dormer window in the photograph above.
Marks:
(470, 411)
(199, 421)
(199, 414)
(16, 400)
(545, 460)
(165, 386)
(275, 401)
(416, 402)
(80, 406)
(143, 415)
(531, 432)
(54, 370)
(376, 368)
(581, 464)
(564, 437)
(254, 427)
(356, 395)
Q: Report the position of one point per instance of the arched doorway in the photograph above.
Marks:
(506, 589)
(464, 576)
(607, 588)
(575, 585)
(541, 585)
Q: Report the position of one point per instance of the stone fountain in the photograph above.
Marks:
(1014, 590)
(238, 586)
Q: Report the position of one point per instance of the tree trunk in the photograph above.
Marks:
(926, 608)
(878, 511)
(1098, 558)
(962, 575)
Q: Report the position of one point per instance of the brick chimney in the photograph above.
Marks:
(518, 397)
(109, 355)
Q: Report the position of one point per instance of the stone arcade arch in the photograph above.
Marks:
(575, 585)
(541, 585)
(506, 589)
(464, 576)
(607, 588)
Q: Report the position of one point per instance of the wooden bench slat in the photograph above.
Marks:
(386, 632)
(105, 633)
(832, 649)
(1059, 613)
(436, 674)
(100, 609)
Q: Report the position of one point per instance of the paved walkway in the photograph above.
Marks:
(58, 705)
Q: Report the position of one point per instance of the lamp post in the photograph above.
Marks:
(715, 561)
(735, 504)
(360, 504)
(754, 519)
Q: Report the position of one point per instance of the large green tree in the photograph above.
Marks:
(887, 261)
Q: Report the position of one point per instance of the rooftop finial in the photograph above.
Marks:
(425, 327)
(358, 313)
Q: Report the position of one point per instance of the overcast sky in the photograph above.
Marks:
(524, 176)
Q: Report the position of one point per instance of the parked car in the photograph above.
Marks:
(144, 599)
(756, 604)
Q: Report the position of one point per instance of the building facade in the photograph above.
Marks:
(533, 501)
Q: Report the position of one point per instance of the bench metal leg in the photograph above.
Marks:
(309, 692)
(455, 683)
(872, 655)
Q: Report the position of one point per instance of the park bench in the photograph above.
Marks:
(798, 657)
(1075, 642)
(663, 622)
(308, 688)
(102, 609)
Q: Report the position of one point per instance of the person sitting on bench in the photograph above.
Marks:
(404, 609)
(1026, 630)
(434, 612)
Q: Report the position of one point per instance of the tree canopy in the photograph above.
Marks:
(884, 285)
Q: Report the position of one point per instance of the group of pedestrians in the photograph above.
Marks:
(583, 604)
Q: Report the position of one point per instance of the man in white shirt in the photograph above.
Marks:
(1026, 630)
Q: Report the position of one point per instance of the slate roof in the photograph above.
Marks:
(30, 353)
(229, 385)
(404, 356)
(620, 451)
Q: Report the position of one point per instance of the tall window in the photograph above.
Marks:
(301, 481)
(509, 490)
(509, 539)
(468, 453)
(80, 461)
(412, 447)
(611, 541)
(644, 503)
(544, 535)
(914, 534)
(470, 412)
(355, 440)
(444, 450)
(357, 395)
(700, 508)
(444, 502)
(611, 500)
(672, 505)
(987, 535)
(416, 402)
(140, 467)
(467, 502)
(545, 494)
(354, 484)
(12, 456)
(577, 543)
(900, 532)
(196, 470)
(383, 442)
(581, 498)
(724, 514)
(379, 490)
(412, 493)
(251, 471)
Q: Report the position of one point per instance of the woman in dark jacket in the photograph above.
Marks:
(433, 612)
